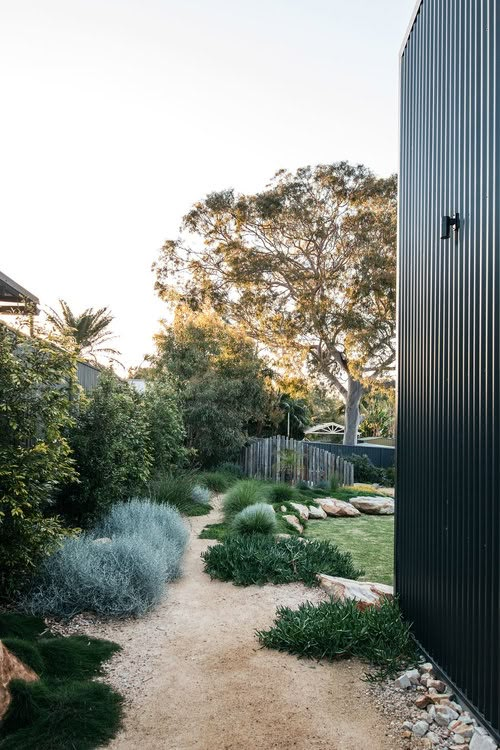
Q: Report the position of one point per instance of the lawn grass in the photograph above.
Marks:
(369, 539)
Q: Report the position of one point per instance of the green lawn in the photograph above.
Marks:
(370, 540)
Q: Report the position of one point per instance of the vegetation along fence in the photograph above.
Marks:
(286, 460)
(379, 455)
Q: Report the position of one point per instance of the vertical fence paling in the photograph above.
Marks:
(284, 459)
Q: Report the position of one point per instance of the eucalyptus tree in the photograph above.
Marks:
(307, 266)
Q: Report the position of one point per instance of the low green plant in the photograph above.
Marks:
(217, 481)
(231, 468)
(178, 492)
(258, 559)
(365, 470)
(255, 519)
(241, 495)
(217, 531)
(390, 476)
(334, 483)
(323, 485)
(302, 485)
(334, 630)
(200, 495)
(280, 493)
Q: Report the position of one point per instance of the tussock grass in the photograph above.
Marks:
(177, 491)
(280, 493)
(217, 481)
(335, 630)
(255, 519)
(243, 494)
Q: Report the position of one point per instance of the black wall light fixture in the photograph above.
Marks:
(447, 222)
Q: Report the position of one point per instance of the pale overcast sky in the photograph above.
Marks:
(116, 115)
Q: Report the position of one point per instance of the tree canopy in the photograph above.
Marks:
(88, 333)
(307, 266)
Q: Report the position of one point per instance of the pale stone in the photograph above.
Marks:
(302, 510)
(420, 728)
(337, 508)
(433, 737)
(426, 667)
(365, 593)
(481, 740)
(294, 522)
(444, 715)
(283, 509)
(403, 682)
(316, 512)
(423, 701)
(11, 668)
(389, 491)
(379, 506)
(413, 675)
(438, 685)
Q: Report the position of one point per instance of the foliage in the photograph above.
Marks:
(334, 483)
(369, 539)
(37, 383)
(365, 471)
(63, 709)
(231, 468)
(123, 576)
(222, 381)
(200, 495)
(217, 531)
(255, 519)
(258, 559)
(378, 414)
(165, 425)
(177, 491)
(296, 416)
(390, 476)
(333, 630)
(249, 256)
(88, 333)
(244, 493)
(217, 481)
(280, 493)
(112, 450)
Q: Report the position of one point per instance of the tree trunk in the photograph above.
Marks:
(352, 415)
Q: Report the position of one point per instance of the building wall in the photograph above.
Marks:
(448, 436)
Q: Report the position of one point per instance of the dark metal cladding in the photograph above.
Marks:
(448, 436)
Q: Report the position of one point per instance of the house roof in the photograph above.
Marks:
(410, 26)
(14, 298)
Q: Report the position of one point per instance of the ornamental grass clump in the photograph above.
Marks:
(335, 630)
(200, 495)
(243, 494)
(119, 569)
(255, 519)
(217, 481)
(259, 559)
(281, 493)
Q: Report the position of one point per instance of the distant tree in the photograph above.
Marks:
(221, 378)
(87, 332)
(307, 266)
(378, 414)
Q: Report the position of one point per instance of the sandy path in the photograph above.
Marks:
(202, 682)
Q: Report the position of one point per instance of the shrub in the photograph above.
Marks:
(334, 630)
(390, 476)
(200, 495)
(216, 481)
(323, 485)
(255, 519)
(282, 493)
(117, 578)
(365, 471)
(334, 483)
(243, 494)
(257, 559)
(231, 468)
(302, 485)
(178, 492)
(165, 425)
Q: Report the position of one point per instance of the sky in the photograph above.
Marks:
(117, 115)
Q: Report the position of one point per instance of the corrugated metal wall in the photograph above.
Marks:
(448, 459)
(87, 376)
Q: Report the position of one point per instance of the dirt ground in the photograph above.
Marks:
(196, 678)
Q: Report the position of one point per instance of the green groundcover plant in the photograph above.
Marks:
(334, 630)
(259, 559)
(64, 708)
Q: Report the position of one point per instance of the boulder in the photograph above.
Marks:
(11, 668)
(302, 510)
(294, 522)
(338, 508)
(316, 512)
(420, 728)
(445, 715)
(366, 594)
(481, 740)
(379, 506)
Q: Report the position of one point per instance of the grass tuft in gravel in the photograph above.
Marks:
(335, 630)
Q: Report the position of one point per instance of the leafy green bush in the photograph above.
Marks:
(334, 630)
(200, 495)
(37, 382)
(255, 519)
(231, 468)
(166, 432)
(257, 559)
(112, 450)
(365, 471)
(178, 491)
(281, 493)
(302, 485)
(244, 493)
(217, 481)
(122, 576)
(390, 476)
(334, 483)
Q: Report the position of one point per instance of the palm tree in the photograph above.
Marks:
(87, 332)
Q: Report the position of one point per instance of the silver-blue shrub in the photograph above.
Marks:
(200, 495)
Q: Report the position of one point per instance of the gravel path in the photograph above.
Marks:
(195, 678)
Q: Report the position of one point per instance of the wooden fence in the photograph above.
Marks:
(286, 460)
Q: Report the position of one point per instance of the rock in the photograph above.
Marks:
(423, 701)
(379, 506)
(438, 685)
(426, 667)
(425, 679)
(388, 491)
(408, 725)
(426, 743)
(365, 593)
(338, 508)
(459, 747)
(457, 739)
(433, 737)
(444, 715)
(420, 728)
(316, 512)
(283, 509)
(413, 675)
(301, 509)
(441, 699)
(403, 682)
(481, 740)
(294, 522)
(431, 712)
(11, 668)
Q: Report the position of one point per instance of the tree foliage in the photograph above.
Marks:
(36, 385)
(307, 265)
(88, 333)
(165, 425)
